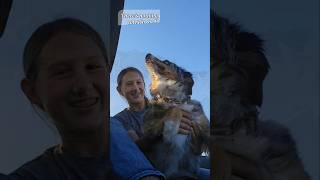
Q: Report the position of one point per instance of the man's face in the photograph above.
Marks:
(132, 88)
(73, 82)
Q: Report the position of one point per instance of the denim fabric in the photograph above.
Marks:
(126, 158)
(203, 174)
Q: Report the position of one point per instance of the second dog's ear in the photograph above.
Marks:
(189, 84)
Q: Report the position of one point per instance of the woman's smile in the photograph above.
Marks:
(84, 103)
(135, 94)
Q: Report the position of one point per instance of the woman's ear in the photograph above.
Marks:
(119, 90)
(29, 91)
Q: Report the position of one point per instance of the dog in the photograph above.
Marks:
(239, 67)
(171, 90)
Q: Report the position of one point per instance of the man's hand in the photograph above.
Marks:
(244, 168)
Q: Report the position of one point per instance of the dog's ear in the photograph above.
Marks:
(188, 82)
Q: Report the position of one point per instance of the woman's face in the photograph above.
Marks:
(132, 87)
(72, 85)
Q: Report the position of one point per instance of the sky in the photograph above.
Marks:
(182, 36)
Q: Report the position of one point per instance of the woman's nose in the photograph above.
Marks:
(81, 84)
(136, 87)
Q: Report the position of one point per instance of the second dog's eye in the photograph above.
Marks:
(93, 66)
(61, 73)
(161, 68)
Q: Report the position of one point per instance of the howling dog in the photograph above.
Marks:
(171, 90)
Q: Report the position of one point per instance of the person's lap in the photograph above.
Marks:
(203, 174)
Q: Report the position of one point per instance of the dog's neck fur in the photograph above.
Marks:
(164, 99)
(170, 92)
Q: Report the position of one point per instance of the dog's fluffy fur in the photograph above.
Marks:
(171, 89)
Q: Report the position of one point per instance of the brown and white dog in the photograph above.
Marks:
(171, 90)
(238, 69)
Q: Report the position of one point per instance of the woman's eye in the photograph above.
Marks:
(60, 72)
(93, 66)
(129, 84)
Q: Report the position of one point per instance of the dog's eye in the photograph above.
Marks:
(161, 68)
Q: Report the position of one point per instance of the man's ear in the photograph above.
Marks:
(29, 91)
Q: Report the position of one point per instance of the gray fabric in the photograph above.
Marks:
(53, 165)
(132, 120)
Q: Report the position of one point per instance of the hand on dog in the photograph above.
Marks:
(238, 145)
(185, 123)
(196, 140)
(187, 126)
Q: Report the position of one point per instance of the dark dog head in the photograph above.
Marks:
(168, 79)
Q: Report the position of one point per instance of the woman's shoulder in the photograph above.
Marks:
(122, 115)
(42, 167)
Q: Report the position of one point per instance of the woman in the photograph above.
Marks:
(67, 77)
(131, 86)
